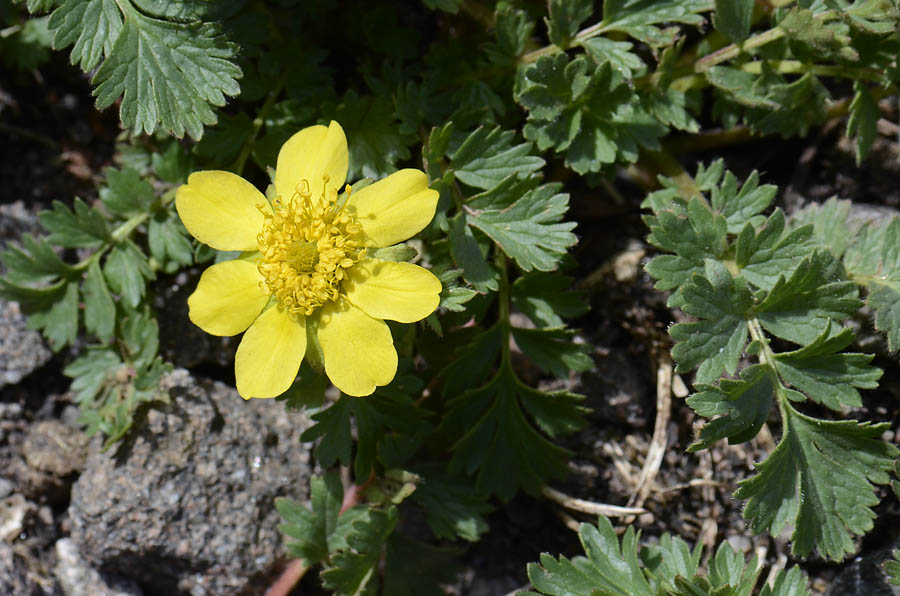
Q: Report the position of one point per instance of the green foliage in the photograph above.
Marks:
(624, 568)
(743, 278)
(166, 64)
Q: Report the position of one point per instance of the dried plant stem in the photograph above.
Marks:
(588, 506)
(657, 448)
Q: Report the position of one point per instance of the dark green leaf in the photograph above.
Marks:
(820, 480)
(59, 322)
(740, 407)
(640, 18)
(354, 571)
(333, 427)
(168, 241)
(413, 568)
(766, 255)
(547, 298)
(553, 350)
(34, 263)
(467, 254)
(733, 18)
(617, 53)
(126, 272)
(833, 228)
(566, 17)
(452, 506)
(313, 527)
(488, 156)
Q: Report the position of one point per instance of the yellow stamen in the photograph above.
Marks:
(306, 245)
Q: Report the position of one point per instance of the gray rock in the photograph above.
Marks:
(77, 578)
(185, 504)
(21, 349)
(865, 576)
(53, 453)
(14, 576)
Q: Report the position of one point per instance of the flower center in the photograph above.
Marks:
(307, 245)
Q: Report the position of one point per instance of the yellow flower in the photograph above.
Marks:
(306, 278)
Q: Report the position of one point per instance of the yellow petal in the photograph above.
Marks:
(221, 209)
(270, 354)
(358, 350)
(228, 298)
(308, 155)
(396, 208)
(397, 291)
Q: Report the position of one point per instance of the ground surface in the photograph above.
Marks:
(54, 144)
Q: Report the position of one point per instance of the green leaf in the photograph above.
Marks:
(34, 263)
(168, 241)
(223, 142)
(671, 561)
(617, 53)
(413, 568)
(716, 341)
(126, 194)
(826, 375)
(798, 308)
(873, 260)
(59, 322)
(468, 255)
(639, 18)
(744, 206)
(312, 527)
(553, 350)
(832, 226)
(354, 570)
(610, 569)
(470, 365)
(864, 115)
(530, 231)
(766, 255)
(375, 141)
(790, 583)
(566, 16)
(81, 227)
(488, 156)
(174, 164)
(586, 112)
(499, 446)
(741, 407)
(167, 72)
(333, 427)
(99, 308)
(452, 506)
(733, 18)
(892, 568)
(126, 272)
(547, 298)
(819, 479)
(513, 29)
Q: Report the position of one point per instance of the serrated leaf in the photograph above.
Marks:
(81, 227)
(819, 479)
(892, 568)
(223, 142)
(375, 141)
(59, 319)
(547, 298)
(452, 506)
(530, 231)
(553, 350)
(126, 193)
(167, 73)
(333, 427)
(467, 254)
(715, 342)
(312, 527)
(512, 28)
(34, 263)
(864, 115)
(733, 18)
(832, 226)
(798, 308)
(566, 17)
(639, 18)
(353, 572)
(99, 308)
(610, 569)
(127, 272)
(91, 25)
(617, 53)
(787, 583)
(585, 112)
(168, 241)
(740, 407)
(772, 252)
(499, 447)
(174, 164)
(488, 156)
(743, 206)
(873, 260)
(671, 561)
(472, 363)
(826, 375)
(414, 568)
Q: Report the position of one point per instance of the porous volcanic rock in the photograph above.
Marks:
(185, 503)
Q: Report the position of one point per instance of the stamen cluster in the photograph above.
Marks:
(307, 245)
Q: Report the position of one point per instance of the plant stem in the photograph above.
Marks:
(238, 166)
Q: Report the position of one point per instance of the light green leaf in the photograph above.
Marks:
(833, 228)
(488, 156)
(873, 260)
(353, 570)
(126, 272)
(617, 53)
(81, 227)
(530, 231)
(641, 18)
(91, 25)
(864, 115)
(126, 193)
(467, 254)
(566, 17)
(168, 241)
(772, 252)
